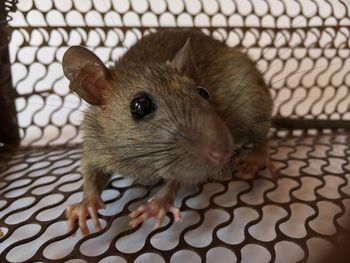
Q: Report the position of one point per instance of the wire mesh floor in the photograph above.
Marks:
(300, 216)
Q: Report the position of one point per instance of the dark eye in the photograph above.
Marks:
(203, 92)
(141, 106)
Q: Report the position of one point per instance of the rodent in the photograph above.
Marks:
(178, 105)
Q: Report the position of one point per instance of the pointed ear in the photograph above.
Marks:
(87, 74)
(183, 61)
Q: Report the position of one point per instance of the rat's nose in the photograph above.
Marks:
(219, 157)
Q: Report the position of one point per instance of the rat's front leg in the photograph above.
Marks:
(248, 162)
(94, 181)
(158, 206)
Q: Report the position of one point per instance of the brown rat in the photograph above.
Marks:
(178, 106)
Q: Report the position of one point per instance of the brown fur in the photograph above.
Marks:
(171, 142)
(222, 71)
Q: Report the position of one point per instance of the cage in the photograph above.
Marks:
(303, 50)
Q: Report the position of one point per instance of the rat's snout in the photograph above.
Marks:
(213, 141)
(219, 157)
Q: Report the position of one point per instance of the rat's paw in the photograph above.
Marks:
(248, 164)
(156, 209)
(81, 211)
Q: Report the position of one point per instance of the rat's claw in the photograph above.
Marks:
(160, 218)
(80, 212)
(153, 209)
(249, 164)
(176, 212)
(82, 221)
(271, 168)
(137, 212)
(94, 217)
(138, 220)
(247, 172)
(77, 212)
(71, 218)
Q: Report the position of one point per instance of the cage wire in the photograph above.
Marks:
(302, 49)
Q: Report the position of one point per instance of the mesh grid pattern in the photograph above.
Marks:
(303, 50)
(248, 221)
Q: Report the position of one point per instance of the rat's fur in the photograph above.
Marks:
(237, 90)
(162, 145)
(169, 142)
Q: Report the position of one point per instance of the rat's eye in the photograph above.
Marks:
(141, 106)
(203, 92)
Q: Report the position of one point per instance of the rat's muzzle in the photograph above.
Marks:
(213, 142)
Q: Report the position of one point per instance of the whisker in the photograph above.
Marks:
(292, 75)
(254, 66)
(167, 129)
(156, 170)
(239, 106)
(155, 159)
(139, 147)
(49, 105)
(303, 71)
(148, 154)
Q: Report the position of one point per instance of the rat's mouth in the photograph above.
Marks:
(218, 158)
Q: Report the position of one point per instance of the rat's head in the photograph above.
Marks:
(154, 116)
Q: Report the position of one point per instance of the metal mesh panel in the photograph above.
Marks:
(302, 47)
(298, 217)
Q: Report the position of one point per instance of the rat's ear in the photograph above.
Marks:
(183, 61)
(87, 74)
